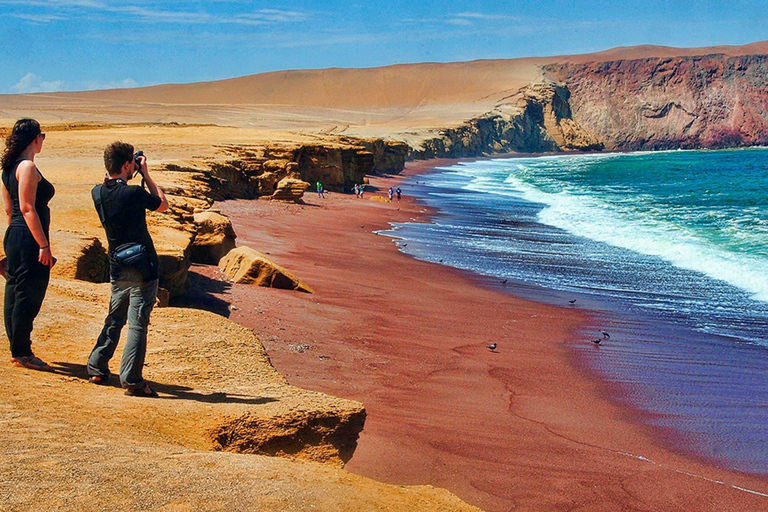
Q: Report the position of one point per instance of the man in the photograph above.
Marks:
(122, 210)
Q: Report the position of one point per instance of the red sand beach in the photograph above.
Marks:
(522, 427)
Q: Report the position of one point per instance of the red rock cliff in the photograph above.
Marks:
(710, 101)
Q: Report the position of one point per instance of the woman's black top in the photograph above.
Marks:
(44, 194)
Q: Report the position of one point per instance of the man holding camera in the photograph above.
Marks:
(133, 268)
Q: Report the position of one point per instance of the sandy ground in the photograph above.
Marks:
(70, 445)
(517, 428)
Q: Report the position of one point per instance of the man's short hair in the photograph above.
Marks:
(116, 155)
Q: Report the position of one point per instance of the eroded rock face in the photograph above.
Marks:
(251, 172)
(81, 257)
(551, 102)
(325, 436)
(709, 101)
(248, 266)
(290, 189)
(214, 238)
(539, 121)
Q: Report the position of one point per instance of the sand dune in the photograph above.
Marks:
(393, 98)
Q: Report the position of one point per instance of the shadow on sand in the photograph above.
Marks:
(201, 294)
(176, 392)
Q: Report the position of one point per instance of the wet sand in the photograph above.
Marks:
(522, 427)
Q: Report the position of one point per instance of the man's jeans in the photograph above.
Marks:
(132, 301)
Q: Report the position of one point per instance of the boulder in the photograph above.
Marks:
(248, 266)
(215, 237)
(290, 189)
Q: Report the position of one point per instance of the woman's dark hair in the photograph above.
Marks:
(23, 134)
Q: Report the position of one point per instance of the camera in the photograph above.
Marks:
(136, 156)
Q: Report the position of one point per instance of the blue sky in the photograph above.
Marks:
(50, 45)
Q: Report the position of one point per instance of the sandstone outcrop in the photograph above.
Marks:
(245, 265)
(210, 373)
(711, 101)
(80, 257)
(248, 172)
(214, 238)
(290, 189)
(539, 120)
(320, 436)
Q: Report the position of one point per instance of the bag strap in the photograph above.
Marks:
(98, 199)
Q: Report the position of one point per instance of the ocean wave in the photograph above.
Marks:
(629, 228)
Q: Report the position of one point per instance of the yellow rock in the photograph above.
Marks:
(214, 238)
(248, 266)
(290, 189)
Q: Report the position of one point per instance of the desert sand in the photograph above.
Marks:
(522, 427)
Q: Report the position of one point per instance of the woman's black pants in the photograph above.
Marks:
(25, 288)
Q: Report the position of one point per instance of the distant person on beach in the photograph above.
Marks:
(362, 190)
(320, 192)
(390, 193)
(133, 268)
(399, 194)
(28, 262)
(357, 191)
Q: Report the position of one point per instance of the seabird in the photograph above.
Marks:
(504, 281)
(491, 347)
(605, 335)
(572, 301)
(596, 341)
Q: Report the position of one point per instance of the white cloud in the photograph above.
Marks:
(483, 16)
(147, 12)
(128, 83)
(32, 83)
(39, 18)
(462, 22)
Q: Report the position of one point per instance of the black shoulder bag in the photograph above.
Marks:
(131, 256)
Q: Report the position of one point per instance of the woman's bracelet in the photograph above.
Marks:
(45, 247)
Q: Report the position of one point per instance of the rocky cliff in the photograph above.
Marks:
(248, 172)
(711, 101)
(538, 119)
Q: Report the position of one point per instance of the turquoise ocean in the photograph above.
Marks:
(668, 251)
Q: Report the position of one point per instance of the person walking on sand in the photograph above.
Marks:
(28, 263)
(399, 194)
(356, 190)
(362, 190)
(133, 268)
(390, 193)
(320, 192)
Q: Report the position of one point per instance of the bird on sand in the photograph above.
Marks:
(606, 336)
(572, 301)
(596, 341)
(363, 226)
(405, 245)
(504, 281)
(491, 347)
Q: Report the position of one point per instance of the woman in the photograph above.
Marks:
(27, 246)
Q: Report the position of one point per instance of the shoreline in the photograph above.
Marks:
(558, 437)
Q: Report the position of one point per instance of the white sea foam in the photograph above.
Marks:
(590, 217)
